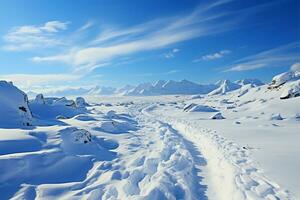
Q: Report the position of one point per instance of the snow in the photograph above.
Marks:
(198, 108)
(224, 87)
(291, 90)
(152, 147)
(162, 87)
(283, 78)
(217, 116)
(13, 107)
(248, 81)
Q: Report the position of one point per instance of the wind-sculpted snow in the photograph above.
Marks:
(117, 123)
(14, 108)
(283, 78)
(234, 174)
(56, 108)
(155, 148)
(198, 108)
(291, 90)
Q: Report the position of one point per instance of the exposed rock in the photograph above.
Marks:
(80, 102)
(217, 116)
(199, 108)
(276, 117)
(82, 136)
(39, 99)
(61, 117)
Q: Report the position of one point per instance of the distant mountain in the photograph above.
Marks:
(253, 82)
(124, 90)
(160, 87)
(170, 87)
(224, 87)
(101, 91)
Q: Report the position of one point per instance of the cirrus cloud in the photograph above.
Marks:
(31, 37)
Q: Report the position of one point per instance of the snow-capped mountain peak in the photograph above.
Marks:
(224, 87)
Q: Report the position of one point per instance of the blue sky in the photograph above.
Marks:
(54, 43)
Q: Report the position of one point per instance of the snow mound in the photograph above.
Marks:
(282, 78)
(64, 102)
(116, 126)
(217, 116)
(13, 107)
(291, 90)
(111, 114)
(57, 108)
(199, 108)
(81, 142)
(224, 87)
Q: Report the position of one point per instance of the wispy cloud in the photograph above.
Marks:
(31, 37)
(171, 54)
(114, 43)
(284, 55)
(87, 25)
(213, 56)
(30, 80)
(295, 67)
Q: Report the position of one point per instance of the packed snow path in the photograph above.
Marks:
(230, 172)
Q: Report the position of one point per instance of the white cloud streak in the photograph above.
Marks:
(171, 54)
(284, 55)
(31, 37)
(114, 43)
(295, 67)
(213, 56)
(29, 80)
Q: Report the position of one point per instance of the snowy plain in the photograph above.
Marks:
(236, 142)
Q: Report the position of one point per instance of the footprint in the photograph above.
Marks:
(132, 187)
(139, 161)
